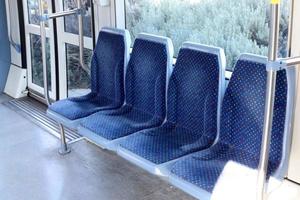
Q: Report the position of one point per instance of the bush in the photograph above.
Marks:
(238, 26)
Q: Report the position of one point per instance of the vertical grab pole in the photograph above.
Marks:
(64, 149)
(269, 103)
(44, 55)
(80, 33)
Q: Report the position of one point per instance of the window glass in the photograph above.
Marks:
(71, 21)
(78, 76)
(36, 60)
(33, 11)
(238, 26)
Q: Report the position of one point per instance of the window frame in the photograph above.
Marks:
(120, 17)
(35, 29)
(120, 13)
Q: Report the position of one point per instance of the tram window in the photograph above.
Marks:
(71, 22)
(33, 11)
(36, 60)
(238, 26)
(78, 77)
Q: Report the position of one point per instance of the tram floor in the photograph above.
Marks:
(32, 169)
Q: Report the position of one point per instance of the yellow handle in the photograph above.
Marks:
(275, 1)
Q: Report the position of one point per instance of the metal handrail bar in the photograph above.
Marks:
(63, 13)
(274, 64)
(269, 103)
(64, 149)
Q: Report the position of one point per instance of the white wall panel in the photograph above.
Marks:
(294, 165)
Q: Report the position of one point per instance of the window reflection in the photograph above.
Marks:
(36, 60)
(33, 11)
(71, 22)
(78, 76)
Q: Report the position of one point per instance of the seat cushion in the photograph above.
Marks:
(107, 78)
(242, 120)
(192, 107)
(80, 107)
(165, 143)
(204, 168)
(145, 91)
(119, 123)
(243, 109)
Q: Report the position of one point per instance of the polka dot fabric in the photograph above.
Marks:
(107, 72)
(242, 116)
(203, 169)
(145, 94)
(241, 128)
(192, 111)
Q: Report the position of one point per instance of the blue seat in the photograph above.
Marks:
(194, 98)
(107, 80)
(242, 119)
(145, 91)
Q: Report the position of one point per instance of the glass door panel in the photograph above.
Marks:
(71, 22)
(33, 11)
(36, 60)
(34, 51)
(74, 78)
(78, 76)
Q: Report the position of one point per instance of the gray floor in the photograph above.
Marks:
(4, 98)
(31, 169)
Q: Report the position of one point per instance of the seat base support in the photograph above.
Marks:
(64, 148)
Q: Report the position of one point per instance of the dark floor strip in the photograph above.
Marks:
(36, 112)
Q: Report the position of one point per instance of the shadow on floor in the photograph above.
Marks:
(32, 169)
(4, 98)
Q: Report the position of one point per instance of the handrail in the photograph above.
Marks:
(43, 18)
(64, 149)
(274, 65)
(44, 55)
(63, 13)
(80, 35)
(269, 104)
(289, 62)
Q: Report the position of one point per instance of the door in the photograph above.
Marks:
(66, 77)
(34, 51)
(74, 79)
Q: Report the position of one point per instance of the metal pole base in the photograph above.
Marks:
(63, 151)
(64, 148)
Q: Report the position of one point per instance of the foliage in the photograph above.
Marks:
(78, 77)
(238, 26)
(36, 61)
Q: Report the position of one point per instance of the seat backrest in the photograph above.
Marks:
(196, 88)
(242, 116)
(147, 74)
(110, 58)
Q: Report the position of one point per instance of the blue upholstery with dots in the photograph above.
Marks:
(145, 88)
(107, 75)
(242, 121)
(191, 111)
